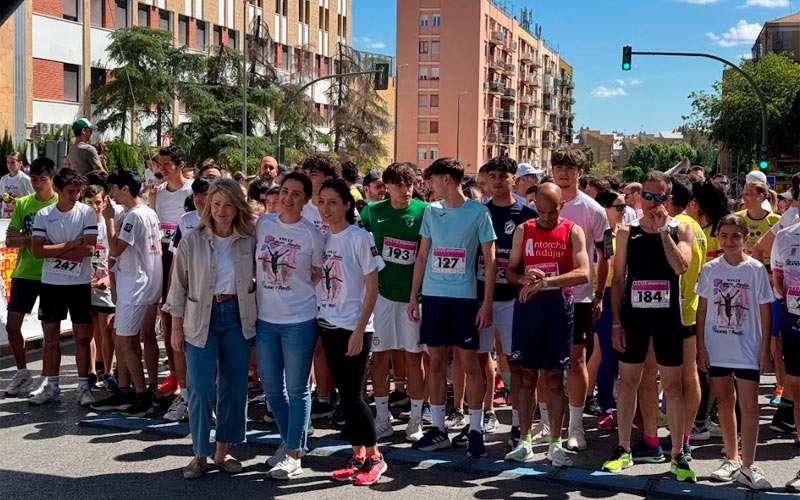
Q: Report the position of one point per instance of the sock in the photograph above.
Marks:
(514, 418)
(575, 417)
(52, 383)
(382, 408)
(545, 415)
(437, 411)
(555, 440)
(416, 408)
(526, 438)
(476, 420)
(686, 439)
(650, 441)
(83, 382)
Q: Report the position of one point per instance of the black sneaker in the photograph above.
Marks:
(433, 439)
(462, 438)
(118, 401)
(783, 426)
(269, 418)
(591, 407)
(156, 398)
(398, 399)
(320, 409)
(489, 421)
(476, 448)
(338, 417)
(93, 381)
(142, 406)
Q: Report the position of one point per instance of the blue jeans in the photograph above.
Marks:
(284, 354)
(227, 352)
(607, 372)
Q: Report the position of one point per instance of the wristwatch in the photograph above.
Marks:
(664, 228)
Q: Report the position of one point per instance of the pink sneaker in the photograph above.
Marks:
(607, 421)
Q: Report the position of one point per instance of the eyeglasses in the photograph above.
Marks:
(619, 208)
(659, 198)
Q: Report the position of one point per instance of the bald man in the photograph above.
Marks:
(268, 169)
(548, 257)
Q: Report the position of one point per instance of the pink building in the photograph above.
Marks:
(473, 84)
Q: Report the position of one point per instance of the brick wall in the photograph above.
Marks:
(49, 7)
(48, 80)
(153, 17)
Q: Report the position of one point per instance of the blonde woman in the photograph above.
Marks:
(213, 307)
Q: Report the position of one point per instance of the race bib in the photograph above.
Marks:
(449, 260)
(168, 230)
(793, 300)
(65, 266)
(650, 294)
(399, 251)
(502, 266)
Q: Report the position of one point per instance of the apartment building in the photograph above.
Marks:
(474, 83)
(57, 47)
(781, 35)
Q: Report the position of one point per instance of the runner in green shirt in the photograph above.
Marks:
(27, 275)
(395, 225)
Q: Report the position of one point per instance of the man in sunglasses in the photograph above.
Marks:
(646, 314)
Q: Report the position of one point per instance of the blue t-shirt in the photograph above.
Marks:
(456, 235)
(504, 220)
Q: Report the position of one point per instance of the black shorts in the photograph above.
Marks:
(582, 334)
(24, 293)
(543, 330)
(56, 300)
(667, 343)
(166, 266)
(790, 349)
(102, 309)
(739, 373)
(688, 332)
(448, 321)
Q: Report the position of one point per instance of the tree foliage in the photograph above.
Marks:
(662, 157)
(632, 174)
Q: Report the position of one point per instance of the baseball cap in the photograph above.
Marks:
(756, 176)
(372, 176)
(80, 124)
(524, 169)
(786, 195)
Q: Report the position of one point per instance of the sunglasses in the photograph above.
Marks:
(619, 208)
(660, 198)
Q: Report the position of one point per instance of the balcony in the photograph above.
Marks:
(536, 63)
(492, 137)
(509, 94)
(494, 87)
(547, 89)
(506, 115)
(506, 138)
(509, 69)
(531, 79)
(528, 121)
(496, 64)
(523, 141)
(526, 56)
(497, 37)
(547, 105)
(547, 143)
(511, 46)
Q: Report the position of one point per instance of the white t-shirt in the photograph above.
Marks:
(785, 259)
(170, 207)
(285, 254)
(630, 216)
(226, 275)
(311, 212)
(187, 223)
(60, 227)
(139, 270)
(733, 317)
(789, 218)
(591, 217)
(346, 258)
(17, 186)
(101, 296)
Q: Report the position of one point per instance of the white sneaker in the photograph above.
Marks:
(522, 453)
(414, 430)
(277, 458)
(44, 395)
(753, 478)
(384, 430)
(558, 456)
(178, 411)
(286, 469)
(794, 484)
(576, 439)
(713, 428)
(20, 384)
(86, 397)
(726, 471)
(541, 433)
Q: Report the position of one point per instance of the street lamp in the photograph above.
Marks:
(396, 91)
(458, 123)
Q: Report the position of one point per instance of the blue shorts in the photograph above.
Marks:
(790, 341)
(543, 332)
(778, 307)
(448, 321)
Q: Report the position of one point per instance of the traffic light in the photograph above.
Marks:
(764, 163)
(381, 76)
(626, 58)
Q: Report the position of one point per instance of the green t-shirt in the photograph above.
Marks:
(28, 267)
(396, 234)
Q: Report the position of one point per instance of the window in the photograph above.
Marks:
(218, 36)
(423, 101)
(233, 38)
(201, 35)
(285, 57)
(437, 20)
(433, 128)
(423, 21)
(423, 47)
(142, 16)
(183, 30)
(98, 80)
(71, 86)
(163, 20)
(121, 14)
(422, 127)
(423, 73)
(435, 47)
(434, 73)
(71, 10)
(434, 153)
(435, 100)
(97, 13)
(421, 154)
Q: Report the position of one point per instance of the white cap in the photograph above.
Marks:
(756, 176)
(524, 169)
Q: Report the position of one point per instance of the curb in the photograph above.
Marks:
(448, 460)
(31, 344)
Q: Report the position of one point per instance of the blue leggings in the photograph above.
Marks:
(607, 372)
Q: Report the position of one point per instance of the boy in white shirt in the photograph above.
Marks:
(15, 184)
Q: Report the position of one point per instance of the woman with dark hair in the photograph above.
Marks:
(346, 296)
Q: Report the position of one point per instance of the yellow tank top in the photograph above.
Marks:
(689, 298)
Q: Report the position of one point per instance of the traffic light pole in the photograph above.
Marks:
(761, 97)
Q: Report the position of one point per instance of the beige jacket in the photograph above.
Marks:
(195, 273)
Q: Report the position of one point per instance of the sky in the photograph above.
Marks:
(589, 34)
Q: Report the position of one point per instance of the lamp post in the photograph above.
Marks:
(458, 123)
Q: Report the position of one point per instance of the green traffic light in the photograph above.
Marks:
(626, 66)
(763, 164)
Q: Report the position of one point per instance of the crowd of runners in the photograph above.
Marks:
(649, 304)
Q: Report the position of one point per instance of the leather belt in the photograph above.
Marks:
(224, 297)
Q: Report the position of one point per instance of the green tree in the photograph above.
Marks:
(632, 174)
(662, 157)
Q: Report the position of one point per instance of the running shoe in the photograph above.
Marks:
(85, 397)
(501, 398)
(777, 395)
(43, 395)
(680, 467)
(577, 439)
(607, 421)
(456, 418)
(118, 401)
(371, 471)
(620, 460)
(476, 447)
(414, 430)
(522, 452)
(793, 485)
(338, 417)
(558, 456)
(713, 427)
(462, 438)
(178, 411)
(702, 433)
(541, 433)
(783, 422)
(320, 409)
(753, 477)
(20, 384)
(513, 437)
(287, 468)
(384, 430)
(142, 407)
(687, 451)
(433, 439)
(591, 407)
(168, 386)
(276, 458)
(489, 421)
(727, 471)
(269, 418)
(398, 398)
(156, 398)
(642, 453)
(349, 470)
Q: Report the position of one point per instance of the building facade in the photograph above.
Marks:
(781, 35)
(473, 83)
(57, 47)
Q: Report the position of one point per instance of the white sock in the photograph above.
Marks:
(52, 383)
(438, 417)
(575, 417)
(382, 409)
(416, 408)
(514, 418)
(476, 420)
(545, 414)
